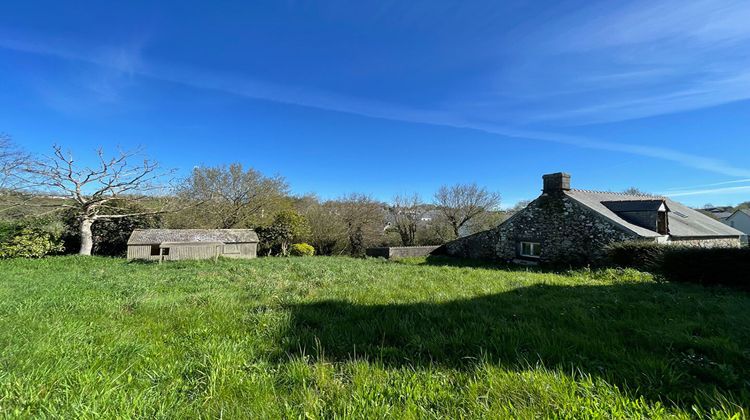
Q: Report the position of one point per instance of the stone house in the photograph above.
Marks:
(569, 226)
(191, 244)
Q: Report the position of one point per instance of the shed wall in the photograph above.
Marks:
(140, 252)
(195, 252)
(242, 251)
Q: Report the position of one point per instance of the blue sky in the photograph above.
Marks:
(390, 97)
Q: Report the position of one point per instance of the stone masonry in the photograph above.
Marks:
(568, 232)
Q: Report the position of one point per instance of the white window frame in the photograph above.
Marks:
(535, 249)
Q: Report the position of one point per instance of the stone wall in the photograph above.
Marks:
(569, 233)
(706, 243)
(395, 252)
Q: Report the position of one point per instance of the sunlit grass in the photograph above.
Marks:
(326, 337)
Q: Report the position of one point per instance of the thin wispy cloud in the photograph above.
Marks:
(714, 184)
(82, 89)
(638, 59)
(726, 190)
(134, 64)
(699, 22)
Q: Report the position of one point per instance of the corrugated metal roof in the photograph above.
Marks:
(683, 221)
(157, 236)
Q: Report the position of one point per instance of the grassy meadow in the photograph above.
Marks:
(326, 337)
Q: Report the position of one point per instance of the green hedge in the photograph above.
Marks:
(708, 266)
(644, 256)
(727, 266)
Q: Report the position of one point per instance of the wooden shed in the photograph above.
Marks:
(191, 244)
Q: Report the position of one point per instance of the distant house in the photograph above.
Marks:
(566, 225)
(719, 213)
(740, 220)
(191, 244)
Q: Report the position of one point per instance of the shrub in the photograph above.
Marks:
(8, 230)
(31, 243)
(302, 250)
(644, 256)
(708, 266)
(287, 226)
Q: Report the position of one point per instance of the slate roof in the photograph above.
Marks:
(746, 212)
(157, 236)
(683, 221)
(721, 213)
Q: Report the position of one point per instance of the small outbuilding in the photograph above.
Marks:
(191, 244)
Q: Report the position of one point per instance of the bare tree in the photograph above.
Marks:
(363, 220)
(328, 232)
(461, 203)
(91, 191)
(634, 191)
(406, 213)
(233, 195)
(11, 162)
(520, 206)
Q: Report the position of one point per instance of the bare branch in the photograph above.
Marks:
(461, 203)
(88, 190)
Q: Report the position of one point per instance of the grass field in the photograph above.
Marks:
(325, 337)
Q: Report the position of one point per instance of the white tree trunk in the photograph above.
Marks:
(87, 238)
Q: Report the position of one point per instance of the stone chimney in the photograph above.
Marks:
(556, 183)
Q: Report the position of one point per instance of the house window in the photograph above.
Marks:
(530, 249)
(154, 250)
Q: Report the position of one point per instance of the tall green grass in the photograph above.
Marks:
(338, 337)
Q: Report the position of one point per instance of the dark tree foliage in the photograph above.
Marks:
(110, 235)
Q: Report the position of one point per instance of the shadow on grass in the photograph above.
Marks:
(665, 342)
(445, 261)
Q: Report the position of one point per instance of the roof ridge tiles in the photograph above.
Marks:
(618, 193)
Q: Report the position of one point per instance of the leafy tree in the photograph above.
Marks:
(461, 203)
(231, 196)
(90, 191)
(288, 226)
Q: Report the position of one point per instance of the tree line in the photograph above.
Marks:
(93, 208)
